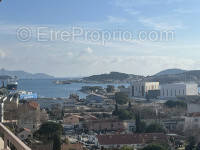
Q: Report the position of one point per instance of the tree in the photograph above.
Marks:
(123, 114)
(140, 126)
(127, 148)
(147, 97)
(110, 88)
(57, 142)
(172, 104)
(129, 105)
(154, 147)
(121, 98)
(191, 145)
(154, 128)
(115, 112)
(51, 131)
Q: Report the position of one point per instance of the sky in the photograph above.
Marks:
(84, 37)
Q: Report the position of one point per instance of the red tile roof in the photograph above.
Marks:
(33, 104)
(124, 139)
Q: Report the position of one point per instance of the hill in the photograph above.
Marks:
(187, 76)
(170, 72)
(165, 77)
(24, 75)
(112, 77)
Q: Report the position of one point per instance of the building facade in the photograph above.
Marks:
(178, 89)
(140, 89)
(137, 141)
(192, 121)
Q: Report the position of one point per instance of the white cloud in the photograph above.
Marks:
(160, 25)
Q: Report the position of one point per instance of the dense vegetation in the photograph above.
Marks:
(121, 98)
(50, 131)
(172, 104)
(123, 114)
(154, 128)
(154, 147)
(113, 76)
(90, 89)
(110, 88)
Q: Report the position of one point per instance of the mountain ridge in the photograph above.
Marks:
(117, 77)
(24, 75)
(170, 71)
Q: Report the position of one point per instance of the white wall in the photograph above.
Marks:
(139, 89)
(193, 108)
(178, 89)
(192, 123)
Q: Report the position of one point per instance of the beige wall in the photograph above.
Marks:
(71, 120)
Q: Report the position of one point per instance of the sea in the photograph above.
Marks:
(46, 88)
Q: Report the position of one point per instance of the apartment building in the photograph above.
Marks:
(141, 89)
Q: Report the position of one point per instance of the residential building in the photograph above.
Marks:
(178, 89)
(24, 134)
(174, 124)
(193, 107)
(29, 115)
(69, 104)
(137, 141)
(71, 119)
(125, 90)
(140, 88)
(95, 98)
(192, 121)
(76, 146)
(109, 125)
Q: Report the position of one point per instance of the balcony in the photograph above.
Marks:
(10, 140)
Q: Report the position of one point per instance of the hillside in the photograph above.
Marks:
(112, 77)
(170, 72)
(165, 77)
(24, 75)
(187, 76)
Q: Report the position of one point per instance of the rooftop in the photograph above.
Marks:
(124, 139)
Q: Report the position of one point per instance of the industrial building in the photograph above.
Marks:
(178, 89)
(141, 89)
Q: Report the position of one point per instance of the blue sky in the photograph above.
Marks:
(82, 57)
